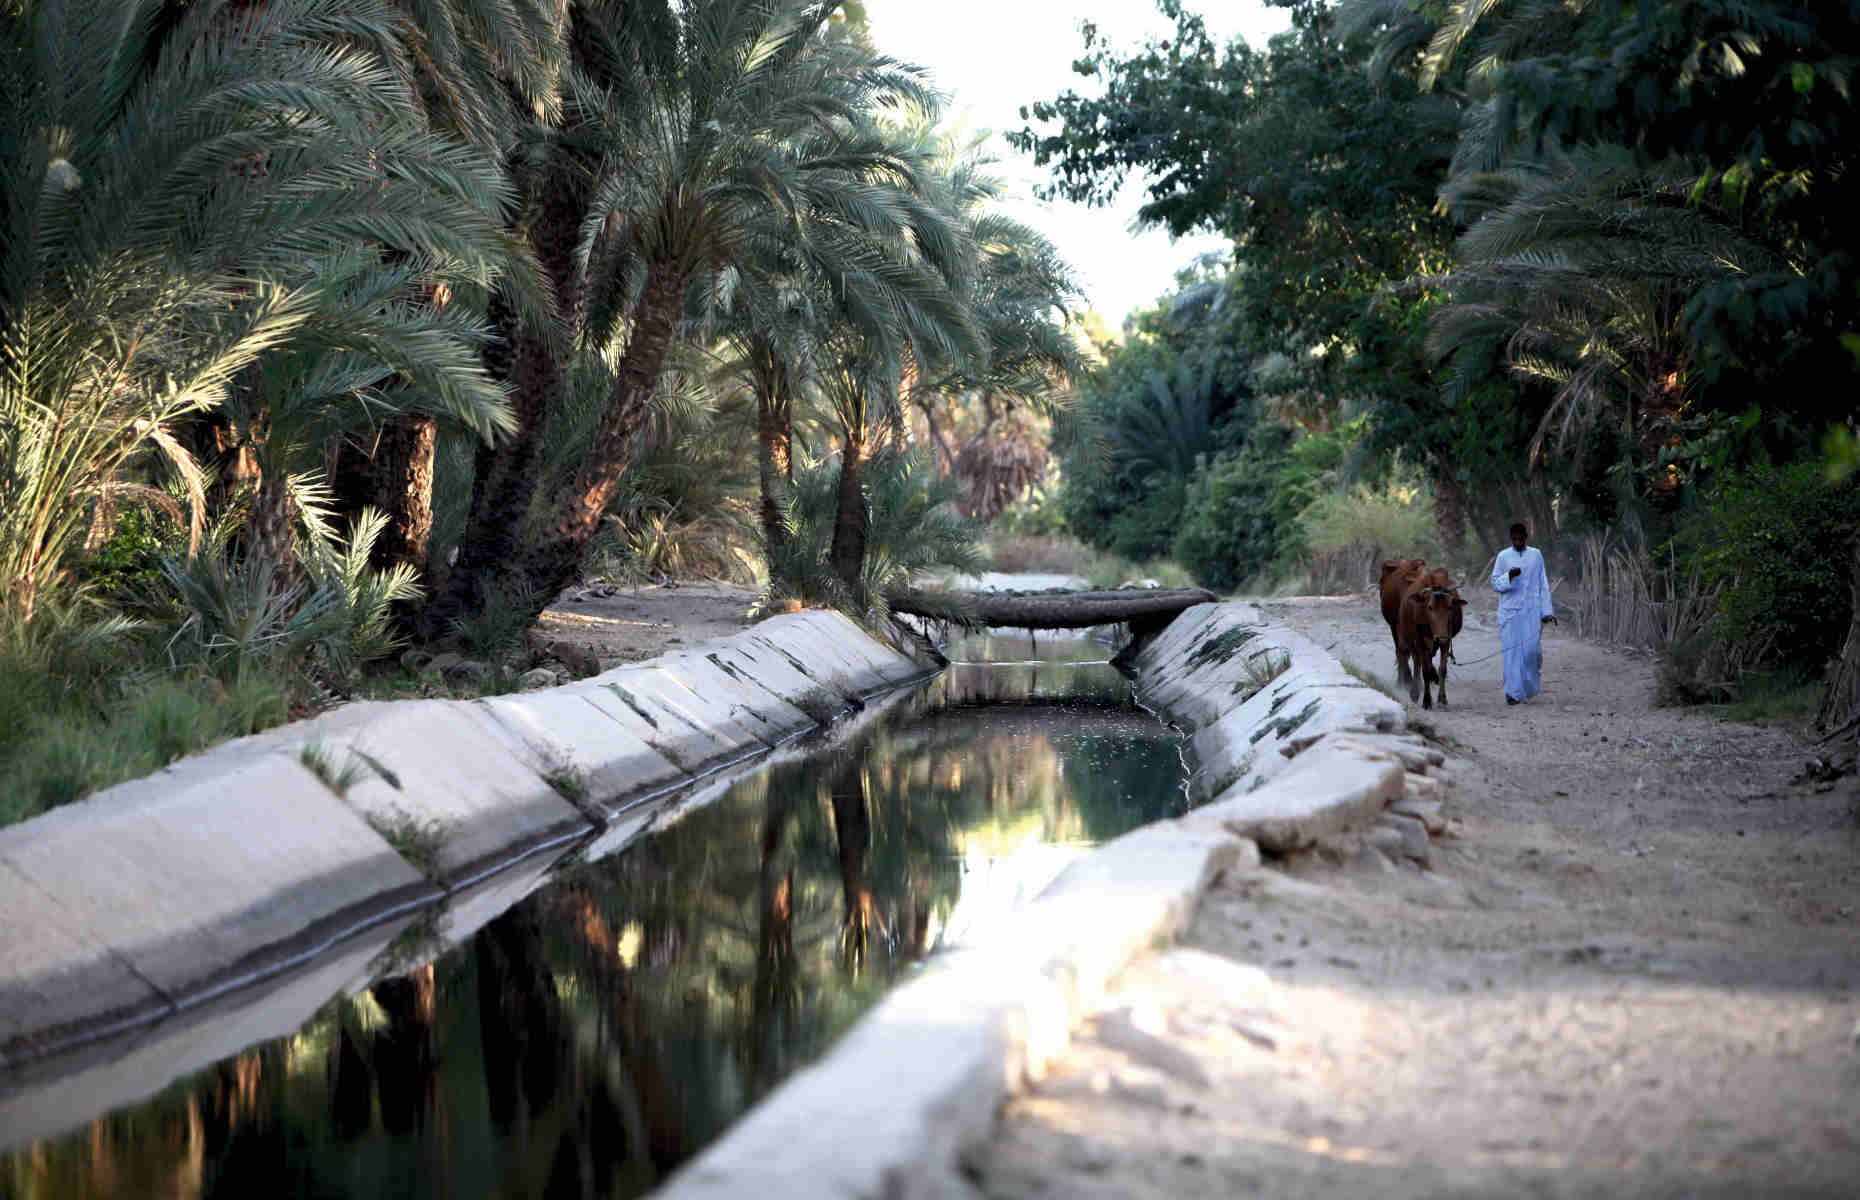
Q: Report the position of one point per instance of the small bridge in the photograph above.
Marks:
(1145, 610)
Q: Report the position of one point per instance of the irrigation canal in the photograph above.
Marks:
(582, 1028)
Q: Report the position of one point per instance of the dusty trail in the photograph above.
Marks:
(1634, 972)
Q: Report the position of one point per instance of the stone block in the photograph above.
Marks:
(447, 772)
(1400, 836)
(570, 731)
(696, 733)
(1430, 813)
(55, 971)
(50, 1097)
(217, 867)
(1329, 788)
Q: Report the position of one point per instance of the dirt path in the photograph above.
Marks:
(622, 624)
(1635, 972)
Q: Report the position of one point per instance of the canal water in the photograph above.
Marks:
(583, 1028)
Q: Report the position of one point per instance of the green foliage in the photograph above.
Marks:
(1146, 527)
(1240, 517)
(1775, 541)
(79, 711)
(128, 561)
(1324, 181)
(914, 527)
(1373, 522)
(145, 265)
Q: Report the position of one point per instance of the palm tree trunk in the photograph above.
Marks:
(1449, 508)
(1840, 701)
(504, 486)
(775, 458)
(268, 530)
(576, 513)
(850, 519)
(395, 476)
(852, 828)
(404, 465)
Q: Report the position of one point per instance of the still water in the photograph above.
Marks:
(607, 1024)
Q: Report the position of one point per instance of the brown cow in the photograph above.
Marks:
(1399, 575)
(1430, 620)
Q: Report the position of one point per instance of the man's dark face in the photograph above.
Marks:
(1517, 540)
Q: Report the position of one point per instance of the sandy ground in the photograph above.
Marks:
(1635, 972)
(622, 624)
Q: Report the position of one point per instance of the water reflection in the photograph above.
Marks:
(598, 1033)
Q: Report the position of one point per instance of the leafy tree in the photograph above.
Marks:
(1324, 182)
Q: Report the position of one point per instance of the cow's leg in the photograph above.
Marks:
(1411, 674)
(1445, 653)
(1428, 679)
(1401, 659)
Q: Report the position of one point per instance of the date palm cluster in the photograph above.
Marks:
(261, 263)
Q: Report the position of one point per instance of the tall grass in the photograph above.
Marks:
(1348, 533)
(1626, 594)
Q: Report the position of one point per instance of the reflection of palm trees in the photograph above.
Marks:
(852, 827)
(775, 997)
(519, 1016)
(406, 1052)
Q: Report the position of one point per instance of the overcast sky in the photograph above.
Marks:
(992, 56)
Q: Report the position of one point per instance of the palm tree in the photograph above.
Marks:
(1009, 295)
(486, 72)
(161, 221)
(1583, 266)
(749, 115)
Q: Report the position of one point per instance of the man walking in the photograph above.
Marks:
(1523, 611)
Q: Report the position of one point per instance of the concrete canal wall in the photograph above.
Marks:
(1292, 750)
(157, 895)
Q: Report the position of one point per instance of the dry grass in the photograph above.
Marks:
(1061, 555)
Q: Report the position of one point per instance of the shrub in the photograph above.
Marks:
(913, 526)
(1147, 527)
(1773, 543)
(1240, 517)
(1349, 532)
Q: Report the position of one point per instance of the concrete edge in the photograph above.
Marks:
(893, 1107)
(527, 810)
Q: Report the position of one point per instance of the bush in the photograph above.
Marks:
(1773, 543)
(81, 710)
(1349, 532)
(1240, 516)
(1147, 527)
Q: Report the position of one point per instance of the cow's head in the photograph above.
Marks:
(1433, 605)
(1401, 566)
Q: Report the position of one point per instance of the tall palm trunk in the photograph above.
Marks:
(395, 475)
(850, 522)
(404, 466)
(1449, 508)
(576, 513)
(852, 828)
(504, 485)
(775, 454)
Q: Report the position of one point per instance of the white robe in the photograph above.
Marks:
(1523, 603)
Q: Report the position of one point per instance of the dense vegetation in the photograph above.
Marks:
(331, 325)
(1588, 264)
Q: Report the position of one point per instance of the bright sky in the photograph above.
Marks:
(992, 56)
